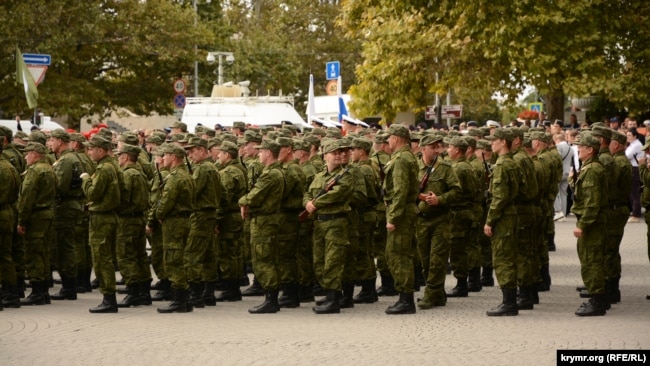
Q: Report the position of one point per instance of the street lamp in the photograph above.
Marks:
(212, 56)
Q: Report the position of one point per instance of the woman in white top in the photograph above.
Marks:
(634, 152)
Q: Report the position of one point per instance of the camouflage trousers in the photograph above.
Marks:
(264, 250)
(379, 245)
(400, 253)
(364, 263)
(305, 254)
(66, 242)
(617, 220)
(288, 247)
(350, 274)
(84, 255)
(131, 249)
(591, 252)
(156, 243)
(463, 230)
(504, 251)
(433, 243)
(229, 246)
(175, 230)
(526, 250)
(37, 250)
(200, 254)
(330, 250)
(7, 269)
(102, 237)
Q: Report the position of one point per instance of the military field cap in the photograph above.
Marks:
(180, 125)
(430, 138)
(459, 142)
(527, 142)
(312, 140)
(381, 138)
(229, 137)
(129, 149)
(333, 132)
(21, 135)
(538, 135)
(290, 127)
(252, 136)
(35, 146)
(415, 136)
(319, 132)
(214, 142)
(484, 130)
(154, 139)
(6, 132)
(501, 133)
(453, 133)
(37, 136)
(76, 136)
(475, 132)
(160, 150)
(299, 144)
(239, 124)
(177, 137)
(174, 149)
(241, 141)
(597, 124)
(208, 131)
(483, 144)
(365, 132)
(471, 142)
(601, 131)
(105, 133)
(270, 145)
(400, 131)
(128, 138)
(99, 141)
(196, 142)
(345, 143)
(199, 130)
(229, 147)
(619, 137)
(283, 133)
(517, 132)
(161, 134)
(587, 139)
(362, 143)
(330, 146)
(285, 141)
(60, 134)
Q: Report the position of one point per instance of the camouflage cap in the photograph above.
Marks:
(400, 131)
(129, 149)
(501, 133)
(319, 132)
(21, 135)
(362, 143)
(285, 141)
(299, 144)
(527, 142)
(270, 145)
(484, 144)
(459, 142)
(239, 124)
(105, 133)
(587, 139)
(475, 132)
(312, 140)
(37, 136)
(174, 149)
(180, 125)
(601, 131)
(537, 135)
(229, 147)
(213, 142)
(128, 138)
(365, 132)
(334, 133)
(196, 142)
(471, 142)
(6, 132)
(99, 141)
(252, 136)
(430, 138)
(37, 147)
(330, 146)
(60, 134)
(229, 137)
(177, 137)
(345, 143)
(597, 124)
(415, 136)
(619, 137)
(517, 132)
(290, 127)
(453, 133)
(77, 137)
(208, 131)
(199, 130)
(154, 139)
(381, 138)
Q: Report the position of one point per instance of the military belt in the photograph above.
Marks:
(330, 217)
(37, 209)
(182, 214)
(257, 214)
(292, 211)
(110, 212)
(207, 209)
(431, 215)
(131, 214)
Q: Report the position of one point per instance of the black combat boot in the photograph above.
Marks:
(156, 286)
(179, 303)
(387, 287)
(460, 290)
(290, 297)
(347, 301)
(474, 280)
(612, 291)
(487, 279)
(81, 289)
(21, 286)
(37, 296)
(10, 298)
(94, 284)
(132, 298)
(508, 306)
(405, 305)
(331, 305)
(368, 294)
(145, 292)
(596, 306)
(208, 294)
(270, 304)
(534, 294)
(254, 290)
(550, 242)
(196, 294)
(318, 290)
(545, 283)
(108, 305)
(525, 300)
(581, 288)
(68, 289)
(305, 293)
(164, 292)
(232, 291)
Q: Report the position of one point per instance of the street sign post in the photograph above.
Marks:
(332, 70)
(452, 111)
(430, 113)
(37, 59)
(179, 86)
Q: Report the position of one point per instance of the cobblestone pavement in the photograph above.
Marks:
(65, 333)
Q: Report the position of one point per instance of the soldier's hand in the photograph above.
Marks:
(244, 212)
(487, 229)
(84, 175)
(577, 232)
(390, 227)
(642, 161)
(432, 199)
(20, 229)
(310, 207)
(148, 230)
(216, 229)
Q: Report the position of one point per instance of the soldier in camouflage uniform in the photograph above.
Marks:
(261, 205)
(230, 222)
(474, 248)
(174, 209)
(644, 172)
(131, 237)
(35, 217)
(501, 222)
(103, 192)
(591, 200)
(10, 184)
(200, 253)
(484, 155)
(329, 209)
(439, 189)
(401, 191)
(67, 211)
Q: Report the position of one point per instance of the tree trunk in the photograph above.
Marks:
(555, 104)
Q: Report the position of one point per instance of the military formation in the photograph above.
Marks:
(310, 214)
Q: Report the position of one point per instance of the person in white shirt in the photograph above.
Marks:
(567, 154)
(634, 152)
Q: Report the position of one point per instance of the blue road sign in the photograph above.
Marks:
(179, 100)
(333, 70)
(36, 59)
